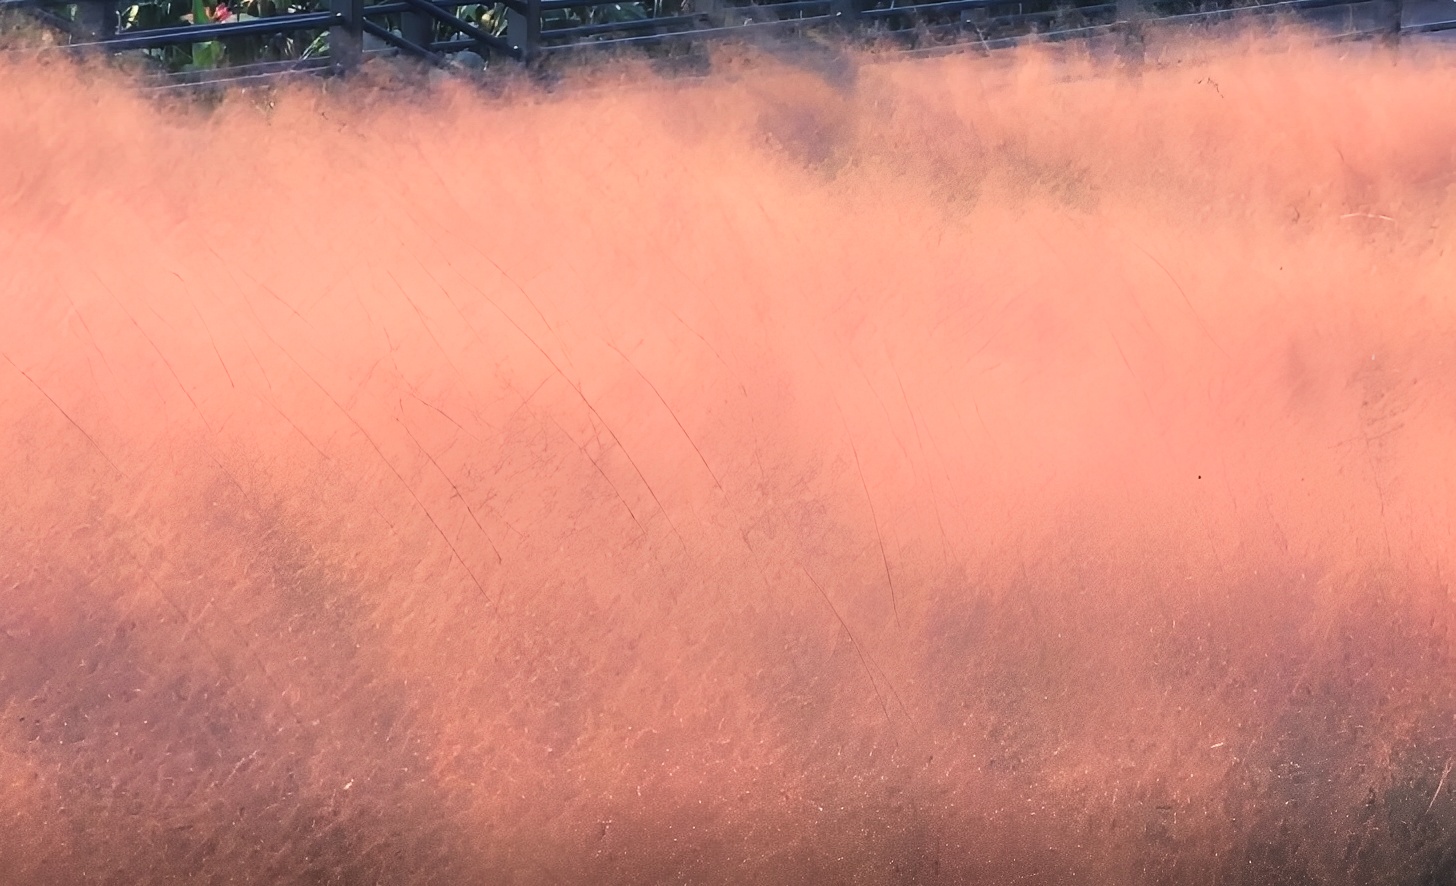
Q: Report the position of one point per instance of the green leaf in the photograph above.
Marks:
(206, 55)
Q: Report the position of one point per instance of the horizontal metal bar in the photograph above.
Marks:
(644, 24)
(767, 9)
(728, 31)
(1306, 4)
(557, 5)
(395, 7)
(454, 44)
(1055, 36)
(518, 5)
(464, 27)
(244, 75)
(947, 6)
(1274, 8)
(1429, 27)
(962, 5)
(252, 70)
(183, 36)
(377, 30)
(1012, 19)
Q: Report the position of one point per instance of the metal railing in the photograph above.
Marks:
(340, 34)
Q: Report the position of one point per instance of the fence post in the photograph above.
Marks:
(417, 28)
(523, 30)
(96, 19)
(346, 39)
(1129, 17)
(1388, 15)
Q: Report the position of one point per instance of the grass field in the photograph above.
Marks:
(963, 470)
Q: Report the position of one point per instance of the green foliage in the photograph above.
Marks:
(147, 15)
(140, 16)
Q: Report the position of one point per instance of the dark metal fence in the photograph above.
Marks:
(336, 35)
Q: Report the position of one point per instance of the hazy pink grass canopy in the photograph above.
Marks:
(975, 470)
